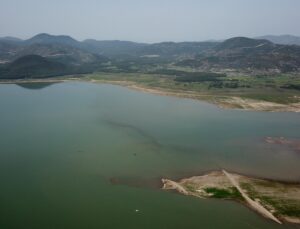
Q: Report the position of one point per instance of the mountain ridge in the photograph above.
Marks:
(239, 54)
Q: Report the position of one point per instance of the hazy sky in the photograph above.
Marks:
(151, 20)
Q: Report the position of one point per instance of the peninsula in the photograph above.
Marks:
(274, 200)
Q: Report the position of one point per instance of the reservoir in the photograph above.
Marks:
(84, 155)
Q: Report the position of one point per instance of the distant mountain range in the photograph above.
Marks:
(282, 39)
(65, 55)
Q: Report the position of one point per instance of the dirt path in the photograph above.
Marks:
(255, 205)
(168, 184)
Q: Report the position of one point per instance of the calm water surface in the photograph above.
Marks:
(81, 155)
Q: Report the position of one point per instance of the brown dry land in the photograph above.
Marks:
(227, 102)
(276, 201)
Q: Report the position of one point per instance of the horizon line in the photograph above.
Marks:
(125, 40)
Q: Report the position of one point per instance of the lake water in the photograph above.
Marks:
(83, 155)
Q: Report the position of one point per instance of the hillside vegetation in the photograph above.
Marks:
(235, 55)
(237, 73)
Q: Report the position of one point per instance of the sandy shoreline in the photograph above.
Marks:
(263, 196)
(225, 102)
(228, 102)
(252, 203)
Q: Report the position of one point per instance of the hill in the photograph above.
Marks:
(10, 39)
(248, 55)
(113, 48)
(239, 54)
(32, 66)
(282, 39)
(177, 50)
(63, 49)
(59, 52)
(45, 38)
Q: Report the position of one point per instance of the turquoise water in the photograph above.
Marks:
(81, 155)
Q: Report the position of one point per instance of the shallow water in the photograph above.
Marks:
(81, 155)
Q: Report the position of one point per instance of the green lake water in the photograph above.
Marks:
(82, 155)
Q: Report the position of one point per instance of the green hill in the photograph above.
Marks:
(32, 66)
(248, 55)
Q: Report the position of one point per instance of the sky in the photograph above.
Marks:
(149, 20)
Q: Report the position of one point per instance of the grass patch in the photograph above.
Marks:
(266, 88)
(282, 207)
(286, 207)
(231, 193)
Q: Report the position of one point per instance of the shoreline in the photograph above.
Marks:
(223, 102)
(263, 196)
(254, 204)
